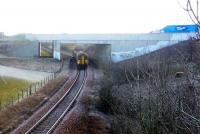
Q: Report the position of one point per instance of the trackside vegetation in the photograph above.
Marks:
(10, 87)
(157, 93)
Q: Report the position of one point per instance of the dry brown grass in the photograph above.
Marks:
(87, 122)
(147, 97)
(96, 125)
(87, 102)
(14, 115)
(84, 124)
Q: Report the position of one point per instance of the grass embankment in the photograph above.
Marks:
(45, 54)
(10, 87)
(14, 115)
(156, 93)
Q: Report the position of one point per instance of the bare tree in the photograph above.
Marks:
(192, 8)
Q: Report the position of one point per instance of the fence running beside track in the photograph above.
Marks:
(24, 93)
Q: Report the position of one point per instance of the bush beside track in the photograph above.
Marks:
(145, 94)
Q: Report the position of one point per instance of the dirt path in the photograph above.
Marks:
(32, 76)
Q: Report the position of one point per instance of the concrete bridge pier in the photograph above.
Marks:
(56, 50)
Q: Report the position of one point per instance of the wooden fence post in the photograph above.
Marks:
(12, 100)
(30, 90)
(18, 97)
(0, 105)
(27, 92)
(35, 86)
(22, 93)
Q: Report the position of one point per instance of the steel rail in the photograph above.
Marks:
(69, 106)
(55, 106)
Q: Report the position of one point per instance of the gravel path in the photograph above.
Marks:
(32, 76)
(2, 56)
(36, 64)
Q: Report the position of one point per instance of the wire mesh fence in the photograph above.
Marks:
(24, 93)
(33, 88)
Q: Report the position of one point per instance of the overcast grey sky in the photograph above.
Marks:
(89, 16)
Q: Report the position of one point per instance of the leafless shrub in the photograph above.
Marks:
(87, 101)
(152, 97)
(86, 124)
(126, 125)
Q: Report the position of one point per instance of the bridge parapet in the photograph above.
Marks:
(121, 44)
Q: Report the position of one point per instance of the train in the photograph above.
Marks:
(81, 59)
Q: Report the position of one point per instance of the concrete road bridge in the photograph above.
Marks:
(123, 46)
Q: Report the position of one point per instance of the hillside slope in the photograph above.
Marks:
(155, 93)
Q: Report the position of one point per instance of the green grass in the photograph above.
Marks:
(10, 87)
(45, 53)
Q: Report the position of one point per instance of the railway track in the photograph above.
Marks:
(53, 117)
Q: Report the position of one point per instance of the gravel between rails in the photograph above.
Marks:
(45, 125)
(73, 122)
(22, 128)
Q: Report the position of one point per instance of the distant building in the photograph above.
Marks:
(180, 29)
